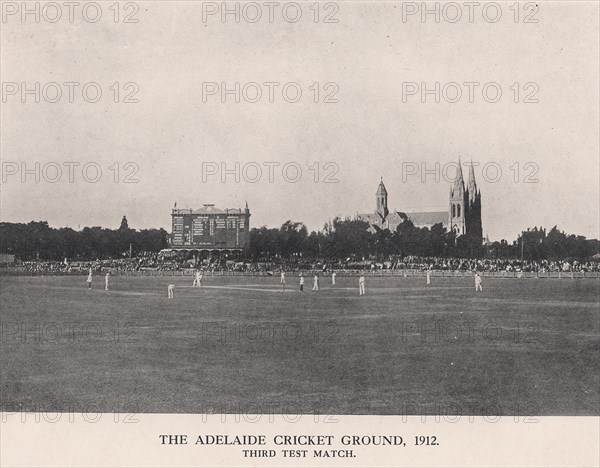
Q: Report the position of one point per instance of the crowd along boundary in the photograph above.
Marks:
(386, 273)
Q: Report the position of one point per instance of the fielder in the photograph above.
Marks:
(315, 283)
(428, 276)
(361, 285)
(198, 279)
(89, 279)
(333, 275)
(301, 283)
(478, 283)
(106, 278)
(170, 289)
(282, 280)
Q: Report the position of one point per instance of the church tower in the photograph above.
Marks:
(465, 206)
(457, 216)
(474, 227)
(382, 200)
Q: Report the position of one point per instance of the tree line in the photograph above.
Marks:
(37, 240)
(348, 238)
(339, 239)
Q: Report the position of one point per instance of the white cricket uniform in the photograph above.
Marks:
(333, 275)
(170, 291)
(315, 283)
(106, 277)
(361, 286)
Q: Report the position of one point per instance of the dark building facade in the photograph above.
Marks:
(210, 228)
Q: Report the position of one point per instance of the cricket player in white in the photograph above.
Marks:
(170, 291)
(361, 285)
(282, 280)
(106, 278)
(428, 276)
(333, 275)
(301, 282)
(197, 279)
(89, 279)
(478, 282)
(315, 283)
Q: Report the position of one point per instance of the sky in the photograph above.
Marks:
(360, 117)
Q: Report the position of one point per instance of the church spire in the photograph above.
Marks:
(381, 189)
(382, 199)
(459, 182)
(472, 186)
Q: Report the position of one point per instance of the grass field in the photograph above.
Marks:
(240, 344)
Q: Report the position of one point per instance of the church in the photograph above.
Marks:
(463, 216)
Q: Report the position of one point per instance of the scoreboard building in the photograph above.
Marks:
(210, 228)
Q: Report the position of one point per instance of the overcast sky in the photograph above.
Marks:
(171, 135)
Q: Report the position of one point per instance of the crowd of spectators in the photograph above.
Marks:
(157, 262)
(540, 266)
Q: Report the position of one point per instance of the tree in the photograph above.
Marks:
(347, 237)
(292, 237)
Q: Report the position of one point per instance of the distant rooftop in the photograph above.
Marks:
(429, 218)
(206, 209)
